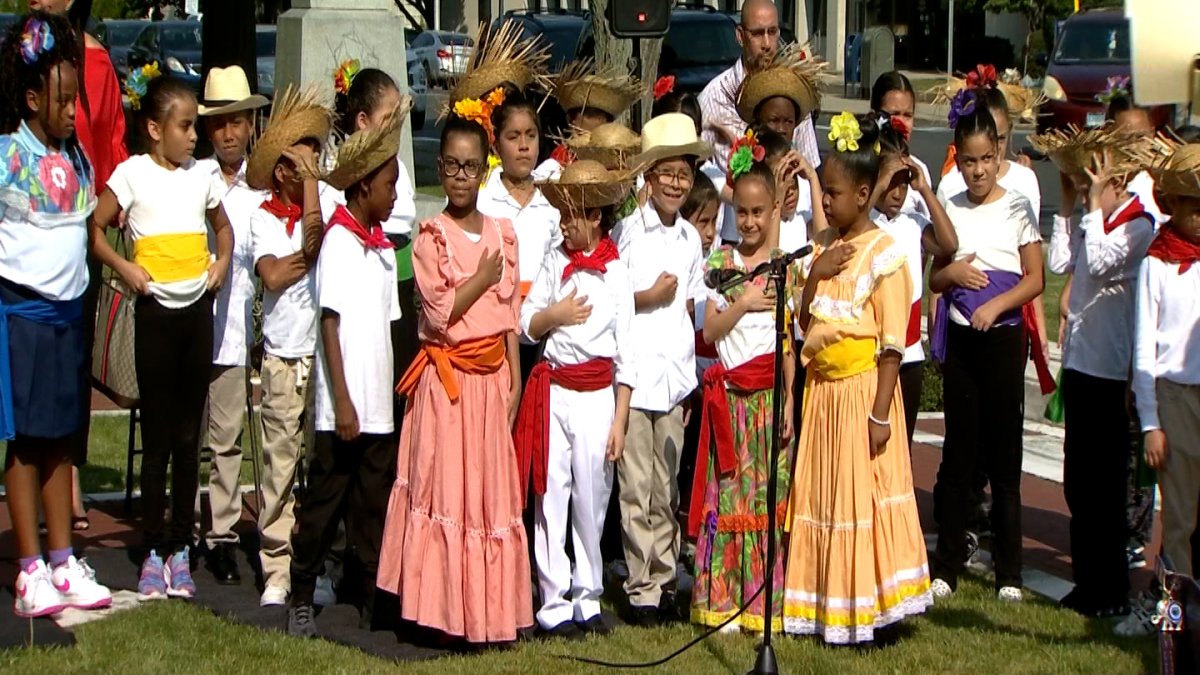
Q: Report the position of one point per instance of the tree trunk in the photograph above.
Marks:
(614, 53)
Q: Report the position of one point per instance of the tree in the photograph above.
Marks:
(424, 12)
(613, 53)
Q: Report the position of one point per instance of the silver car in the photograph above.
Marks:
(442, 54)
(417, 89)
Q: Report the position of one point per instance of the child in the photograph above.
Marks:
(799, 222)
(662, 251)
(780, 96)
(728, 511)
(1104, 251)
(981, 337)
(454, 548)
(43, 276)
(229, 125)
(1132, 118)
(893, 95)
(569, 427)
(351, 462)
(914, 233)
(286, 234)
(167, 199)
(856, 556)
(590, 98)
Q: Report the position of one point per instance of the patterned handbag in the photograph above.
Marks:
(114, 372)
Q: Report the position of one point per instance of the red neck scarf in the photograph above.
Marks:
(1132, 211)
(372, 238)
(606, 252)
(1170, 247)
(562, 155)
(277, 208)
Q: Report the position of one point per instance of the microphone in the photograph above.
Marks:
(800, 252)
(714, 279)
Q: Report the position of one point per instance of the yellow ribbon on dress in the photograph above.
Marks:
(172, 257)
(845, 358)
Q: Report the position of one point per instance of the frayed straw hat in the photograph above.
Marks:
(586, 184)
(793, 75)
(671, 135)
(297, 114)
(367, 150)
(1176, 171)
(1022, 101)
(579, 86)
(613, 144)
(1072, 150)
(500, 56)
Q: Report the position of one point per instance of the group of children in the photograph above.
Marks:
(552, 331)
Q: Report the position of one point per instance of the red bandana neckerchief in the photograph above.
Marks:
(277, 208)
(562, 155)
(1170, 247)
(606, 252)
(373, 238)
(1132, 211)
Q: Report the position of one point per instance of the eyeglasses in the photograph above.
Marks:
(681, 178)
(450, 167)
(771, 32)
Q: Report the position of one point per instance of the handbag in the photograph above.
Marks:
(114, 371)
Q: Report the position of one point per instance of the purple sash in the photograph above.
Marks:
(966, 301)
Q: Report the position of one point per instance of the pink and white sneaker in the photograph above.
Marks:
(36, 595)
(76, 583)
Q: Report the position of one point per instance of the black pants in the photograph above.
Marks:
(1095, 475)
(173, 351)
(984, 379)
(350, 480)
(405, 343)
(912, 382)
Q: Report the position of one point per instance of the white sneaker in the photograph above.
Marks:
(323, 595)
(940, 589)
(35, 593)
(76, 583)
(730, 628)
(273, 596)
(1140, 621)
(1010, 594)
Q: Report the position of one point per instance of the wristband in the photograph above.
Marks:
(882, 423)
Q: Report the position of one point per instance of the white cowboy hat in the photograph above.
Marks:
(671, 135)
(226, 90)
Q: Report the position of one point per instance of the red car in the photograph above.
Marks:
(1091, 47)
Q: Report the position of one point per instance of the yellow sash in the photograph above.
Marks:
(845, 358)
(172, 257)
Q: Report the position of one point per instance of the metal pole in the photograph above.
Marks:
(950, 43)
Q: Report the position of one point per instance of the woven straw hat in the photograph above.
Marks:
(500, 56)
(1022, 101)
(367, 150)
(1073, 149)
(586, 184)
(580, 86)
(1177, 171)
(226, 90)
(670, 135)
(298, 114)
(792, 75)
(613, 144)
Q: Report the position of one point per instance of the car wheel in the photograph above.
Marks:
(418, 120)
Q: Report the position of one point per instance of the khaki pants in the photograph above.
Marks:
(1179, 481)
(649, 500)
(284, 382)
(226, 418)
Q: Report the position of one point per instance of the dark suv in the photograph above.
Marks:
(557, 29)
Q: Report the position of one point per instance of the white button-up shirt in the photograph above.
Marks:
(665, 364)
(536, 223)
(907, 229)
(1168, 315)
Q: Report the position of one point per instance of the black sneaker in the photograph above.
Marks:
(222, 562)
(1136, 557)
(566, 630)
(646, 616)
(972, 546)
(302, 621)
(595, 626)
(668, 609)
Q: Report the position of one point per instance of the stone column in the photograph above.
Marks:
(835, 34)
(317, 35)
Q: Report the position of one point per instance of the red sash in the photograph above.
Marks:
(757, 374)
(1045, 377)
(532, 434)
(914, 325)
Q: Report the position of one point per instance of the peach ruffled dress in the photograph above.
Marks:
(856, 555)
(454, 546)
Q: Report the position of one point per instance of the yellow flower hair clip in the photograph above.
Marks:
(844, 132)
(480, 111)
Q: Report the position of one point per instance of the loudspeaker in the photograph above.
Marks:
(639, 18)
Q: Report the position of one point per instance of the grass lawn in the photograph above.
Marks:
(432, 191)
(971, 633)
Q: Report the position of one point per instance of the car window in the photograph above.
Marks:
(264, 43)
(182, 38)
(121, 35)
(146, 39)
(1093, 43)
(701, 43)
(456, 40)
(422, 40)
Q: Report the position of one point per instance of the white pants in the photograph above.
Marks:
(578, 477)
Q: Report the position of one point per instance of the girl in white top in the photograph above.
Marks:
(169, 203)
(893, 95)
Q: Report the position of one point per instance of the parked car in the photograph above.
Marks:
(1092, 47)
(558, 30)
(443, 55)
(7, 20)
(264, 52)
(118, 35)
(418, 89)
(175, 45)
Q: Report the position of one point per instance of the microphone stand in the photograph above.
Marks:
(776, 269)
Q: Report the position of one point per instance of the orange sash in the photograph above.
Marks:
(477, 357)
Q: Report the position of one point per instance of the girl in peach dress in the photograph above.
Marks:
(454, 546)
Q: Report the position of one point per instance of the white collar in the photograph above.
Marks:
(495, 190)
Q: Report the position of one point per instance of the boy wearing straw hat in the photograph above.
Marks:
(228, 113)
(353, 459)
(591, 99)
(663, 253)
(285, 236)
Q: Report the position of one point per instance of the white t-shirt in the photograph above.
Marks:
(536, 223)
(913, 201)
(753, 335)
(159, 201)
(793, 233)
(907, 229)
(359, 284)
(404, 209)
(289, 316)
(1017, 179)
(994, 232)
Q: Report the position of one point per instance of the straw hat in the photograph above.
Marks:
(226, 90)
(613, 144)
(1022, 101)
(298, 114)
(367, 150)
(792, 75)
(671, 135)
(1177, 170)
(1073, 149)
(586, 184)
(500, 56)
(580, 86)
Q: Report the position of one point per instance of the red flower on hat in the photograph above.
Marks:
(663, 86)
(982, 76)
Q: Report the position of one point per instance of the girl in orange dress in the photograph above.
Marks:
(454, 546)
(856, 555)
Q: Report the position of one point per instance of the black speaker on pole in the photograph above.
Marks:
(639, 18)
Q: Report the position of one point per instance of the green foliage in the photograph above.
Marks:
(931, 387)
